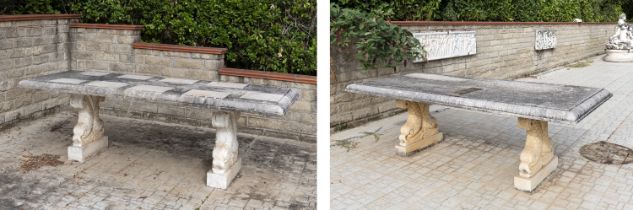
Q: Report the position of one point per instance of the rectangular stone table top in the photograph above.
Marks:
(207, 94)
(539, 101)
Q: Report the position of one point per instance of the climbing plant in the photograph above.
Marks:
(374, 41)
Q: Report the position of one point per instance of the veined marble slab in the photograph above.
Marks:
(539, 101)
(545, 39)
(263, 100)
(441, 45)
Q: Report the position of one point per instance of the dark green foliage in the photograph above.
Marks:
(269, 35)
(627, 7)
(375, 41)
(494, 10)
(395, 9)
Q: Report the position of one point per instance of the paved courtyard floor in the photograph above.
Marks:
(473, 168)
(150, 166)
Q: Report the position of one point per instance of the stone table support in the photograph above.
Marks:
(88, 138)
(420, 130)
(226, 160)
(537, 158)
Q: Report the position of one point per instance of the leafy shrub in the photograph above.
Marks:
(269, 35)
(395, 9)
(494, 10)
(375, 41)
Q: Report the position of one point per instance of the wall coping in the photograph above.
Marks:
(179, 48)
(6, 18)
(107, 26)
(479, 23)
(296, 78)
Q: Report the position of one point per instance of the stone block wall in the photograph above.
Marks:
(31, 45)
(117, 48)
(299, 122)
(504, 51)
(103, 47)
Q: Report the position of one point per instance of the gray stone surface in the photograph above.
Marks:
(531, 100)
(276, 100)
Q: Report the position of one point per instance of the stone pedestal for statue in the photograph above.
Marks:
(619, 56)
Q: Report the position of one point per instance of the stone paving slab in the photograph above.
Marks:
(473, 167)
(151, 166)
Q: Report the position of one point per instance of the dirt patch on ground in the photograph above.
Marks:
(32, 162)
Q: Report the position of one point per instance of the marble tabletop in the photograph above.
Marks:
(216, 95)
(540, 101)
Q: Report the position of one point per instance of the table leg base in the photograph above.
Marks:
(82, 153)
(414, 147)
(529, 184)
(223, 180)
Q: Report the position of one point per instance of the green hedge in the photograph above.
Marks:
(269, 35)
(494, 10)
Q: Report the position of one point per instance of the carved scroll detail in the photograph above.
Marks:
(420, 129)
(225, 153)
(538, 150)
(89, 126)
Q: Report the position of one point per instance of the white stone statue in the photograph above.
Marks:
(623, 37)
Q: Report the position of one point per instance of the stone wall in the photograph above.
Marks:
(117, 48)
(300, 121)
(31, 45)
(504, 51)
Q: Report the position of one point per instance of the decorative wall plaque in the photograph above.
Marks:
(441, 45)
(545, 39)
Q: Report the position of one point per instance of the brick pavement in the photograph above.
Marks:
(473, 167)
(151, 166)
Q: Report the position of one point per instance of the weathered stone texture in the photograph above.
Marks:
(33, 48)
(503, 52)
(28, 49)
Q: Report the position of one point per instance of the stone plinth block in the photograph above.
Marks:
(419, 132)
(224, 179)
(81, 153)
(530, 183)
(619, 56)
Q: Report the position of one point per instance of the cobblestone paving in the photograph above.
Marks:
(151, 166)
(473, 167)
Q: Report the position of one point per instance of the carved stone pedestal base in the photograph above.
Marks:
(226, 160)
(88, 138)
(81, 153)
(420, 130)
(529, 184)
(537, 158)
(618, 56)
(222, 180)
